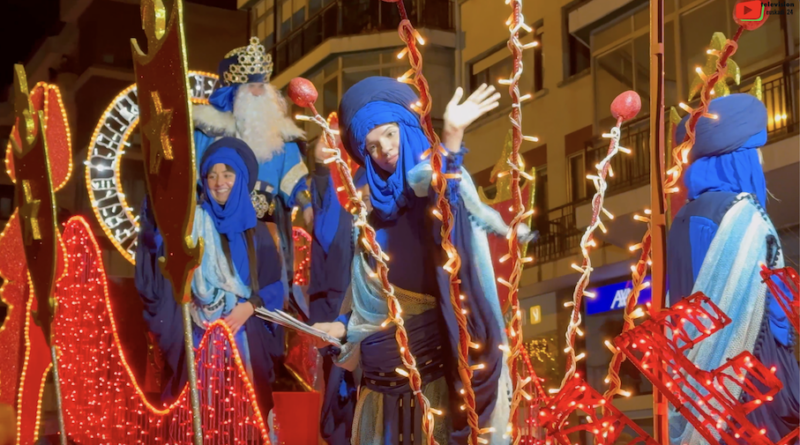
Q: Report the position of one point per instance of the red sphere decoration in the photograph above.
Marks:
(302, 92)
(626, 106)
(750, 16)
(390, 1)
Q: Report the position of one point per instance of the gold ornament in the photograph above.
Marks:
(757, 90)
(156, 131)
(732, 71)
(29, 211)
(252, 59)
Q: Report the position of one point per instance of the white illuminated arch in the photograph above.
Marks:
(106, 148)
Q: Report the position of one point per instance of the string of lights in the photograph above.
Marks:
(624, 107)
(103, 403)
(302, 250)
(680, 157)
(516, 22)
(303, 94)
(443, 212)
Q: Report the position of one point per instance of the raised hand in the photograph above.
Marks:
(458, 116)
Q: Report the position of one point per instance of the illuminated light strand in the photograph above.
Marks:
(585, 269)
(123, 112)
(410, 37)
(303, 269)
(45, 89)
(102, 400)
(680, 156)
(514, 326)
(12, 295)
(369, 244)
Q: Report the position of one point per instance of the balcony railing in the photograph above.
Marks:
(780, 90)
(353, 17)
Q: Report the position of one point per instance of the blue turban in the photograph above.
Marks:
(370, 103)
(225, 92)
(237, 214)
(724, 157)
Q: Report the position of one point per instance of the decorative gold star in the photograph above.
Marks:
(29, 212)
(157, 132)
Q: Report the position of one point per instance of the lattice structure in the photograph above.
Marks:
(102, 401)
(703, 397)
(791, 282)
(603, 421)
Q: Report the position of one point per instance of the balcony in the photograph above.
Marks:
(628, 190)
(332, 21)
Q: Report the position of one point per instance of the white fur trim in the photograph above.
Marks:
(212, 121)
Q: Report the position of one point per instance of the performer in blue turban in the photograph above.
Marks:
(244, 105)
(382, 133)
(237, 272)
(716, 245)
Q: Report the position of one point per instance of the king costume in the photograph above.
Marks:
(244, 105)
(386, 413)
(716, 244)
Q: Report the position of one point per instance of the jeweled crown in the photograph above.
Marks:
(252, 62)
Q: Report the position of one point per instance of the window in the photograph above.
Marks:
(540, 218)
(499, 65)
(577, 177)
(292, 16)
(262, 20)
(538, 63)
(579, 56)
(613, 75)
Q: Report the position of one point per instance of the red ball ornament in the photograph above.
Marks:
(626, 106)
(302, 92)
(750, 14)
(390, 1)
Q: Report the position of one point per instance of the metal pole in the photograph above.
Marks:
(62, 430)
(194, 394)
(658, 222)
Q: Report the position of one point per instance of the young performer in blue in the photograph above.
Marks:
(382, 133)
(246, 106)
(237, 272)
(716, 245)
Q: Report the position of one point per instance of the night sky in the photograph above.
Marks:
(26, 25)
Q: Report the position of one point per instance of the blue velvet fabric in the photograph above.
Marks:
(412, 238)
(739, 118)
(222, 98)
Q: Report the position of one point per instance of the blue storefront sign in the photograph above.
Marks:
(613, 297)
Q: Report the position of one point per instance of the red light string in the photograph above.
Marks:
(680, 157)
(410, 36)
(103, 403)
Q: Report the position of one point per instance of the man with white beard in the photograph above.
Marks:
(244, 105)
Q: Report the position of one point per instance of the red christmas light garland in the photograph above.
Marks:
(103, 402)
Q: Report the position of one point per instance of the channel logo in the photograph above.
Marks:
(751, 11)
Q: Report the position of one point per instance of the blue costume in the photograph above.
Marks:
(331, 256)
(221, 282)
(282, 174)
(716, 244)
(410, 235)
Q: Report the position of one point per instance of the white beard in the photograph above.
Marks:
(262, 123)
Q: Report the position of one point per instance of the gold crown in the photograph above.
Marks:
(252, 60)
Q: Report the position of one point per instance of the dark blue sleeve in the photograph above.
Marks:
(271, 290)
(161, 312)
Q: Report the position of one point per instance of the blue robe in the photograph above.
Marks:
(331, 256)
(163, 314)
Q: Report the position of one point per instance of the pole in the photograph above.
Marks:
(194, 393)
(658, 222)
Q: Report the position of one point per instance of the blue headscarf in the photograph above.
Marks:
(373, 102)
(724, 157)
(237, 214)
